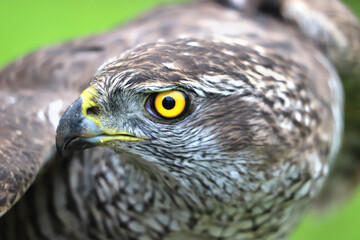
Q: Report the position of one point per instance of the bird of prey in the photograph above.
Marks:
(218, 120)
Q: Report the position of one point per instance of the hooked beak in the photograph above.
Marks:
(76, 131)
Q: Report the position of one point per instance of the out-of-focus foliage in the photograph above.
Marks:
(28, 25)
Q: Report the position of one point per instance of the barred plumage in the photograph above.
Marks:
(260, 131)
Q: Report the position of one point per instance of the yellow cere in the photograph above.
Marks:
(87, 102)
(88, 96)
(173, 105)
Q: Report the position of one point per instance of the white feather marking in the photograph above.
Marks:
(307, 120)
(304, 190)
(269, 72)
(41, 115)
(234, 175)
(194, 44)
(316, 167)
(54, 111)
(298, 116)
(259, 49)
(170, 66)
(291, 85)
(12, 100)
(229, 53)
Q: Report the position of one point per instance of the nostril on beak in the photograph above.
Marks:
(93, 111)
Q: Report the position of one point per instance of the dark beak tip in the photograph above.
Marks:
(68, 127)
(59, 143)
(74, 131)
(60, 151)
(60, 146)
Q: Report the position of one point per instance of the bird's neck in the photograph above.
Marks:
(247, 196)
(212, 181)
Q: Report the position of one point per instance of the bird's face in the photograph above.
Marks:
(173, 104)
(161, 124)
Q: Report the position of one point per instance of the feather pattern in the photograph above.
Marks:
(244, 162)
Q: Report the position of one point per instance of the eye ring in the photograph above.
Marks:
(167, 105)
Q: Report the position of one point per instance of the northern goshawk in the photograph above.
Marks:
(221, 121)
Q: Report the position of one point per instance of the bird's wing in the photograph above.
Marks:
(35, 91)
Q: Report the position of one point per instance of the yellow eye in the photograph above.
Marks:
(168, 104)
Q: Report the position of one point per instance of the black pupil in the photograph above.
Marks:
(168, 103)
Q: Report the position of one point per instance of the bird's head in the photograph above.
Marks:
(177, 104)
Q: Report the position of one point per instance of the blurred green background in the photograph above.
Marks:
(28, 25)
